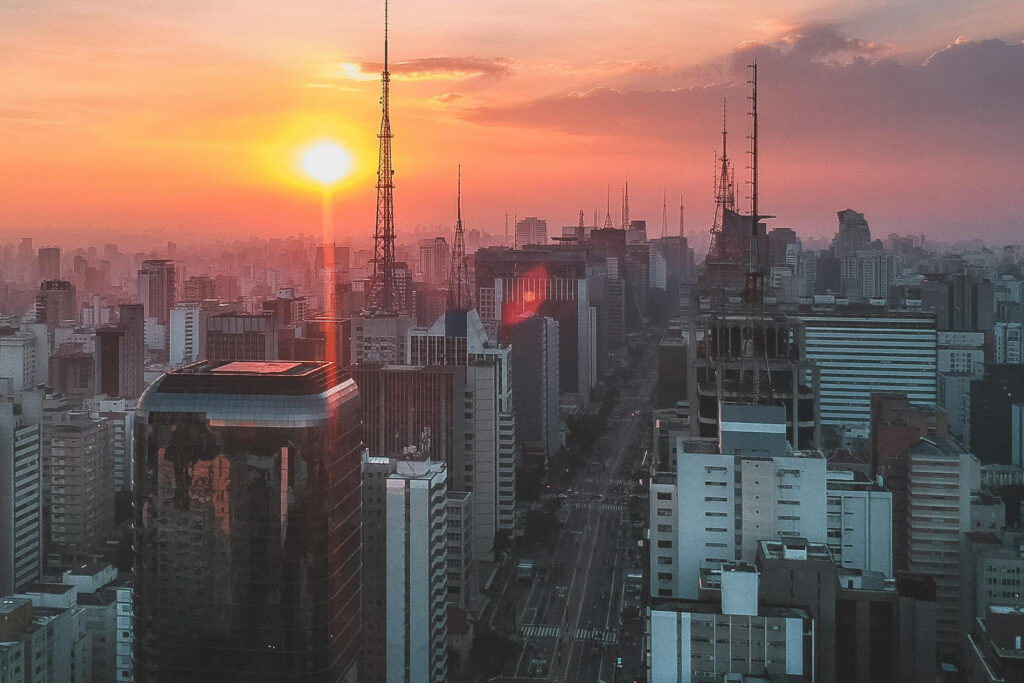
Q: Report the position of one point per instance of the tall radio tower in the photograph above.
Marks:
(608, 210)
(682, 226)
(755, 274)
(381, 297)
(625, 208)
(459, 297)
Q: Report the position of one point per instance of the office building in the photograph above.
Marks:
(380, 340)
(56, 302)
(71, 370)
(45, 644)
(531, 231)
(434, 260)
(19, 360)
(49, 263)
(857, 353)
(120, 354)
(859, 522)
(156, 289)
(960, 352)
(248, 495)
(21, 495)
(462, 579)
(726, 496)
(534, 355)
(241, 336)
(199, 288)
(852, 235)
(994, 650)
(993, 405)
(732, 639)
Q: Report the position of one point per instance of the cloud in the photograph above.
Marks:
(432, 68)
(819, 87)
(446, 98)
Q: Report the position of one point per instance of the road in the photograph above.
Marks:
(569, 615)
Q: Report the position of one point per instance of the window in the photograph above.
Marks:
(664, 559)
(664, 544)
(664, 576)
(664, 528)
(664, 495)
(664, 512)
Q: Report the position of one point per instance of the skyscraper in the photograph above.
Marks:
(21, 497)
(49, 263)
(156, 289)
(248, 524)
(531, 230)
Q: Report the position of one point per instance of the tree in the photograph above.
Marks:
(502, 542)
(489, 652)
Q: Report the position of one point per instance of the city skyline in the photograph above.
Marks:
(139, 119)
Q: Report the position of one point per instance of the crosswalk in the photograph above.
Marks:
(605, 507)
(600, 635)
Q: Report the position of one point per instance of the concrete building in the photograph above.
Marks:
(199, 288)
(1008, 343)
(157, 289)
(43, 644)
(416, 593)
(993, 401)
(724, 498)
(243, 337)
(19, 360)
(859, 522)
(995, 653)
(49, 263)
(941, 477)
(56, 302)
(531, 230)
(185, 343)
(381, 340)
(81, 470)
(248, 493)
(21, 496)
(870, 351)
(120, 354)
(462, 578)
(434, 260)
(733, 639)
(534, 355)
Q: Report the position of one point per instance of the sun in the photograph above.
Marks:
(326, 162)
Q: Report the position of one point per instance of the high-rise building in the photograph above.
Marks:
(199, 288)
(241, 336)
(380, 339)
(434, 260)
(56, 302)
(747, 486)
(940, 479)
(534, 355)
(859, 522)
(531, 230)
(863, 350)
(81, 469)
(1008, 343)
(120, 354)
(248, 524)
(994, 400)
(184, 332)
(853, 233)
(404, 562)
(21, 498)
(19, 360)
(156, 289)
(49, 263)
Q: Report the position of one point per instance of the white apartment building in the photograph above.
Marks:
(857, 354)
(18, 359)
(723, 498)
(416, 595)
(21, 499)
(859, 522)
(960, 352)
(1008, 343)
(380, 340)
(185, 344)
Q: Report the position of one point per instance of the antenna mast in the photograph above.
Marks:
(755, 275)
(664, 213)
(381, 299)
(459, 298)
(625, 208)
(682, 231)
(608, 214)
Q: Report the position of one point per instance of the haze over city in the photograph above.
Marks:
(135, 118)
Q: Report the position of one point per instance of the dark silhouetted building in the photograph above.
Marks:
(56, 301)
(992, 414)
(49, 263)
(120, 354)
(241, 336)
(156, 289)
(248, 524)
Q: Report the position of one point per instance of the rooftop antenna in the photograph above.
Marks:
(682, 231)
(608, 211)
(506, 226)
(755, 276)
(459, 299)
(381, 299)
(581, 222)
(664, 213)
(625, 208)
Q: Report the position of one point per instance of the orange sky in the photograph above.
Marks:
(148, 116)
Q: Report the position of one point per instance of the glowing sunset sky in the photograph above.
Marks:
(187, 115)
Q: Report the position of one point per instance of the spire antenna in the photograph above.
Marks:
(664, 213)
(608, 210)
(459, 297)
(381, 296)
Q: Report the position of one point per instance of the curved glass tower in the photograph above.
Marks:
(247, 524)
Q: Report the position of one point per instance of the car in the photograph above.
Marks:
(563, 496)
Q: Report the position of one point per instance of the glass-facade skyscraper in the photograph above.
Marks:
(247, 516)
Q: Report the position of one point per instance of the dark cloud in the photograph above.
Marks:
(445, 68)
(819, 88)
